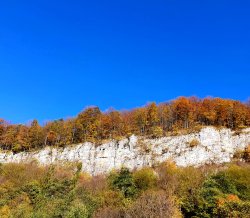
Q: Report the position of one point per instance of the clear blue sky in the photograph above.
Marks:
(56, 57)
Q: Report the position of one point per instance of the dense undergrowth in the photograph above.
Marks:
(28, 190)
(175, 117)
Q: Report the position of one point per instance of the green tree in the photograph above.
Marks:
(123, 181)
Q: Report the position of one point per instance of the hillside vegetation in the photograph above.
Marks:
(153, 120)
(30, 191)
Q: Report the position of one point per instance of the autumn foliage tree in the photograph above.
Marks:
(88, 123)
(35, 135)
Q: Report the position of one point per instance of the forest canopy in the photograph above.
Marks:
(152, 120)
(164, 191)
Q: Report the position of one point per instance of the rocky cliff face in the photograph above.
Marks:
(206, 147)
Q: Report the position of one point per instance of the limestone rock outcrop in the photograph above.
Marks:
(211, 146)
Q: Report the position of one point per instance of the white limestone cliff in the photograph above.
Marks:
(213, 146)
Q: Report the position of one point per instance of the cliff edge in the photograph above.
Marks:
(208, 146)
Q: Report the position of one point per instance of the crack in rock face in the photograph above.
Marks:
(208, 146)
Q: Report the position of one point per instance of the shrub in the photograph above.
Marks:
(216, 190)
(51, 208)
(93, 184)
(109, 212)
(246, 155)
(33, 190)
(167, 173)
(22, 210)
(239, 176)
(144, 146)
(110, 198)
(222, 181)
(186, 183)
(123, 181)
(5, 212)
(193, 143)
(234, 209)
(77, 210)
(145, 179)
(154, 204)
(243, 154)
(239, 154)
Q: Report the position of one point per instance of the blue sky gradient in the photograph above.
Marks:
(57, 57)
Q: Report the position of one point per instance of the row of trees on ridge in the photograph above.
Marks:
(151, 120)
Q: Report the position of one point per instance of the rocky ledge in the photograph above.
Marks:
(208, 146)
